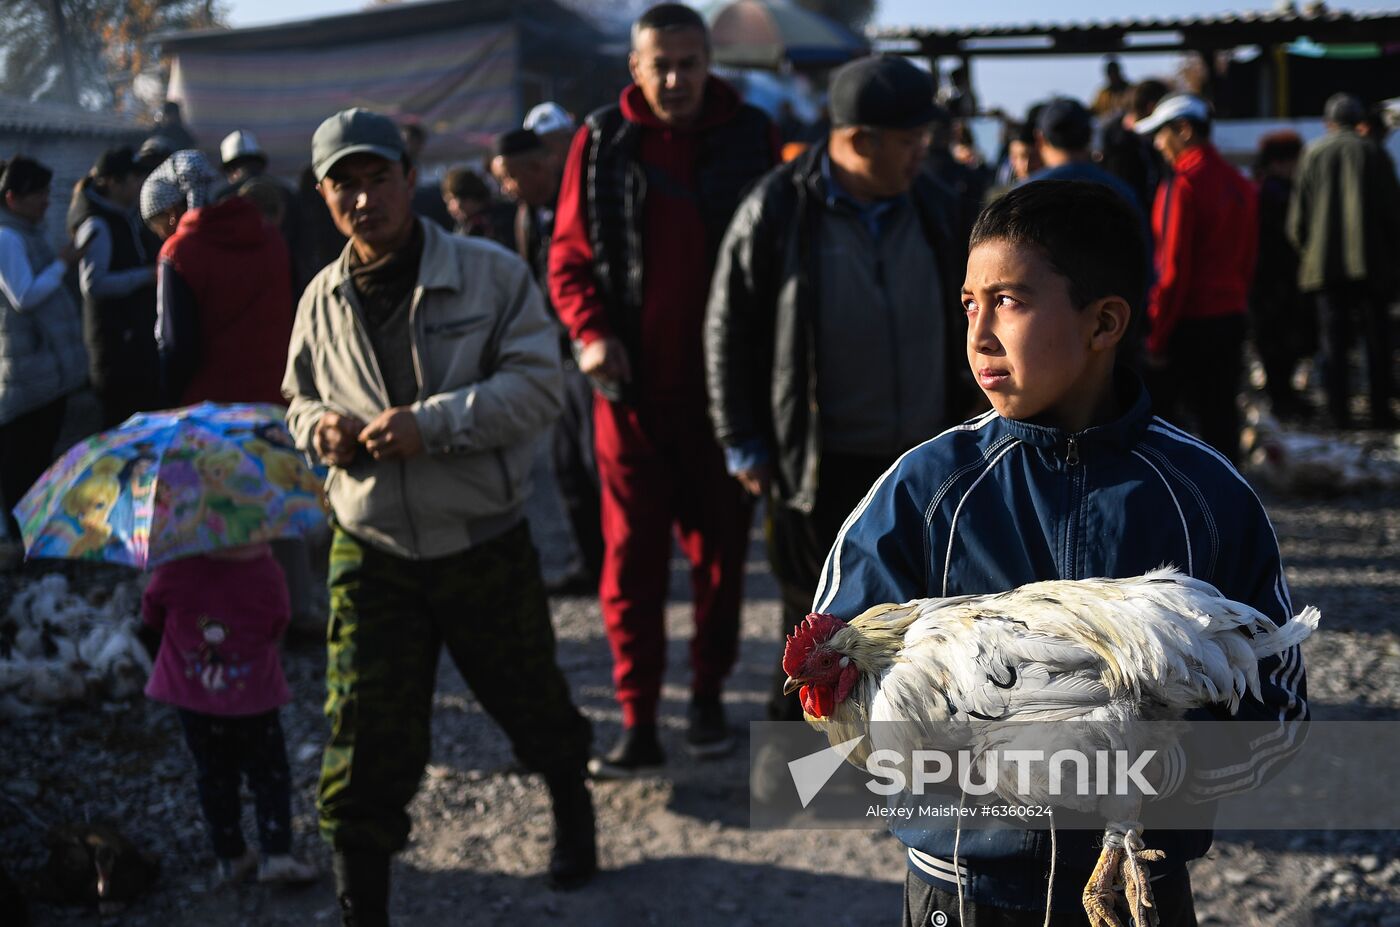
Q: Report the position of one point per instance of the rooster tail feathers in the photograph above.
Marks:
(1292, 633)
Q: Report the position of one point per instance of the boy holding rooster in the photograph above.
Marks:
(1069, 476)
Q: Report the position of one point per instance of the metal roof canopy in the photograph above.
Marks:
(1131, 36)
(552, 22)
(65, 119)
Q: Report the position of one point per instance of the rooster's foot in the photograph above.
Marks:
(1137, 885)
(1098, 892)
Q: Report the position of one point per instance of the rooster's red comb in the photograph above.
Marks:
(812, 631)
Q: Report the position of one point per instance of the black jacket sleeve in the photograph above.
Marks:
(739, 320)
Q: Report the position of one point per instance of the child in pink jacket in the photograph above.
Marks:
(220, 617)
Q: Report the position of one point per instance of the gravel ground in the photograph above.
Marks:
(676, 849)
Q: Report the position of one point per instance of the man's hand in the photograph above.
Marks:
(336, 438)
(605, 359)
(754, 480)
(71, 254)
(393, 433)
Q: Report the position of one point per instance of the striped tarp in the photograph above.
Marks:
(458, 84)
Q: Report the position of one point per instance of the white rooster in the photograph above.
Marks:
(1108, 660)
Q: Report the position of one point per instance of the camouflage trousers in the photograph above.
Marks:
(390, 618)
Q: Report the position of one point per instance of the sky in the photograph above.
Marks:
(1010, 83)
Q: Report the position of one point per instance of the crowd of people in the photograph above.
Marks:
(694, 326)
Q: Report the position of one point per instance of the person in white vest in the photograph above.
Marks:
(42, 358)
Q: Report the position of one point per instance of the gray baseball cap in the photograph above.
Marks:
(354, 131)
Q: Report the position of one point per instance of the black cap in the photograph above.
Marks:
(883, 92)
(1066, 124)
(516, 141)
(354, 131)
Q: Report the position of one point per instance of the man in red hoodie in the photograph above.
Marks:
(649, 187)
(1203, 221)
(224, 288)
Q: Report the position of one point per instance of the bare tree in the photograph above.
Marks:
(87, 51)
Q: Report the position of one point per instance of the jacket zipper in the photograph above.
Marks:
(418, 375)
(892, 326)
(348, 294)
(1072, 524)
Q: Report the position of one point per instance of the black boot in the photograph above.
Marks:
(574, 858)
(362, 887)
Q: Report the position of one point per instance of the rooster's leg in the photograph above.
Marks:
(1098, 893)
(1137, 886)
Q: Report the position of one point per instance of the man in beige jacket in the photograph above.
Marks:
(422, 368)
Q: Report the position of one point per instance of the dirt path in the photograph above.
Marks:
(676, 849)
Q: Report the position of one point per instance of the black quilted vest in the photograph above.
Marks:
(732, 156)
(120, 332)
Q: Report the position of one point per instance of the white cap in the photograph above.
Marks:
(547, 118)
(239, 144)
(1176, 106)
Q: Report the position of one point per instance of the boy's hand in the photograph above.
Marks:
(393, 433)
(336, 438)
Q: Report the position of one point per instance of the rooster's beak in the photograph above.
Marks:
(790, 686)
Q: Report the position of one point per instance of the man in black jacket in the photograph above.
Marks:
(117, 276)
(833, 331)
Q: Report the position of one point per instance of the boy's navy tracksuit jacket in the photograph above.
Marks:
(993, 504)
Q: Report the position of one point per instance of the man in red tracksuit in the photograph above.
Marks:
(649, 187)
(1203, 220)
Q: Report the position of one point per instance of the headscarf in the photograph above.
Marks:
(186, 175)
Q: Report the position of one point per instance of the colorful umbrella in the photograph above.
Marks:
(165, 485)
(768, 33)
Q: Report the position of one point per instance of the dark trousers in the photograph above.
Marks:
(227, 750)
(798, 543)
(390, 618)
(1339, 308)
(663, 475)
(924, 903)
(26, 450)
(1283, 328)
(576, 470)
(1200, 386)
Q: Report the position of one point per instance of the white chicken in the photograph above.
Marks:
(56, 647)
(1306, 463)
(1107, 660)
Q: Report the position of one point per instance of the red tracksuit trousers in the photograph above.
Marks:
(661, 473)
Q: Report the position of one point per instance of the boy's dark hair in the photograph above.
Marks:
(465, 184)
(670, 17)
(23, 175)
(1088, 232)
